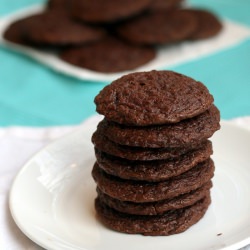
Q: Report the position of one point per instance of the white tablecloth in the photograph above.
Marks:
(17, 145)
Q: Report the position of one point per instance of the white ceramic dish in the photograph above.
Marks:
(167, 56)
(51, 199)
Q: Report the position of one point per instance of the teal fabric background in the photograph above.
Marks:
(33, 95)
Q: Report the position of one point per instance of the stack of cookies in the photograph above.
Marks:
(111, 36)
(153, 168)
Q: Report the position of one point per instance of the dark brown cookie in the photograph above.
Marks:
(141, 191)
(15, 32)
(179, 134)
(171, 222)
(153, 98)
(153, 170)
(164, 4)
(158, 27)
(106, 11)
(55, 28)
(208, 24)
(59, 5)
(159, 207)
(102, 143)
(109, 55)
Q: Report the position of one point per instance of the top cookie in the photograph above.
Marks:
(153, 98)
(106, 11)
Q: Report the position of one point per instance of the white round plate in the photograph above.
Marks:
(52, 199)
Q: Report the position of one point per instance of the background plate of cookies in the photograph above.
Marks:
(90, 47)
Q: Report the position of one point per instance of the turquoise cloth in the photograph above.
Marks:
(32, 94)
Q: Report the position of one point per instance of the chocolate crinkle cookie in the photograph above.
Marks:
(158, 207)
(67, 32)
(99, 11)
(159, 27)
(144, 191)
(109, 55)
(181, 134)
(53, 28)
(208, 24)
(153, 170)
(59, 5)
(15, 32)
(165, 4)
(153, 166)
(103, 144)
(153, 98)
(171, 222)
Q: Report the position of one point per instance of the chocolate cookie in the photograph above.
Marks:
(141, 191)
(107, 11)
(153, 170)
(158, 27)
(179, 134)
(55, 28)
(102, 143)
(59, 5)
(171, 222)
(15, 32)
(153, 98)
(208, 24)
(109, 55)
(165, 4)
(159, 207)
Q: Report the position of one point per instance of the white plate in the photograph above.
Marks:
(52, 198)
(167, 56)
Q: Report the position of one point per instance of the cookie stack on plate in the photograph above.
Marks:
(153, 168)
